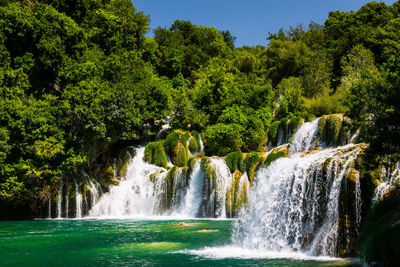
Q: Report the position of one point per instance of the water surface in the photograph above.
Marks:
(135, 243)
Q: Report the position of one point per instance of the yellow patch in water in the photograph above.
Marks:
(206, 231)
(159, 246)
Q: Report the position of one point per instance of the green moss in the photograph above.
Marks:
(182, 155)
(194, 147)
(273, 131)
(203, 163)
(234, 161)
(169, 188)
(154, 154)
(333, 125)
(251, 162)
(310, 117)
(329, 129)
(171, 141)
(294, 123)
(196, 136)
(273, 156)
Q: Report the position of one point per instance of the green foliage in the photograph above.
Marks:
(273, 155)
(193, 145)
(379, 236)
(154, 154)
(223, 139)
(182, 156)
(273, 131)
(235, 161)
(329, 129)
(251, 162)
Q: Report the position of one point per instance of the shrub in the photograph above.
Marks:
(194, 146)
(182, 155)
(251, 163)
(273, 131)
(223, 139)
(154, 154)
(234, 161)
(171, 141)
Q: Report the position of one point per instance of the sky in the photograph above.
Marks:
(248, 20)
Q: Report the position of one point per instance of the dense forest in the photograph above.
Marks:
(79, 80)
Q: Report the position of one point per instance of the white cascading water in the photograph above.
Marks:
(133, 196)
(305, 137)
(193, 197)
(224, 179)
(388, 178)
(59, 200)
(78, 202)
(294, 203)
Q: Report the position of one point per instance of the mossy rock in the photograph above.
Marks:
(234, 161)
(204, 163)
(176, 147)
(194, 146)
(353, 174)
(329, 128)
(274, 155)
(154, 154)
(273, 132)
(182, 155)
(196, 136)
(251, 163)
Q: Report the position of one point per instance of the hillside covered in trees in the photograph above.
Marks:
(79, 81)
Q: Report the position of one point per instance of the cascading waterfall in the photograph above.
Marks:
(305, 138)
(66, 203)
(388, 178)
(78, 202)
(193, 197)
(59, 200)
(133, 196)
(294, 205)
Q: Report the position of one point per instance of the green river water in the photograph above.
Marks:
(92, 242)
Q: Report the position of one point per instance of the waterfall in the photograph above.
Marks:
(134, 196)
(193, 197)
(388, 178)
(66, 202)
(49, 210)
(305, 137)
(201, 145)
(78, 202)
(59, 200)
(294, 204)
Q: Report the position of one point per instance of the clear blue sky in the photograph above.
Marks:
(248, 20)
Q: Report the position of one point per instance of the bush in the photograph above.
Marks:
(329, 129)
(194, 146)
(273, 131)
(182, 155)
(154, 154)
(273, 156)
(234, 161)
(251, 163)
(223, 139)
(171, 141)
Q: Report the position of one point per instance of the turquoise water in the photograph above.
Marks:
(133, 243)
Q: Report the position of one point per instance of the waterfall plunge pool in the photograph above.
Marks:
(137, 242)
